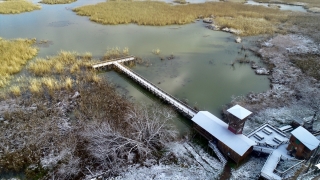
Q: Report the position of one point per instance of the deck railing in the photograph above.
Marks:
(149, 85)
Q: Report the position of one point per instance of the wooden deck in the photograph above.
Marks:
(111, 62)
(178, 104)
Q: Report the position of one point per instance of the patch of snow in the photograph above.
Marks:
(192, 163)
(219, 129)
(249, 170)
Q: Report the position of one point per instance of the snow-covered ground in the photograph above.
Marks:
(249, 170)
(191, 162)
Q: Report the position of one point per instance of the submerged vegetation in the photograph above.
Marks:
(250, 21)
(113, 53)
(17, 6)
(14, 55)
(57, 1)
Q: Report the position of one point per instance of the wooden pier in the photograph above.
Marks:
(110, 62)
(176, 103)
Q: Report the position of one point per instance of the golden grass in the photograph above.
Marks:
(57, 1)
(154, 13)
(50, 83)
(17, 6)
(64, 61)
(87, 56)
(40, 67)
(35, 86)
(14, 55)
(113, 53)
(15, 90)
(156, 51)
(68, 83)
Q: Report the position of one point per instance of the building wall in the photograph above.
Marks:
(235, 125)
(203, 132)
(299, 150)
(225, 150)
(232, 154)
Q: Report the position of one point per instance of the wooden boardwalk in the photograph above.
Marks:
(110, 62)
(176, 103)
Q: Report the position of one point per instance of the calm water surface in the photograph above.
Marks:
(200, 74)
(282, 6)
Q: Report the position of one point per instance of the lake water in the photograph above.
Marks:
(200, 74)
(282, 6)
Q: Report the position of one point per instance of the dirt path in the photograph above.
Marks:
(226, 174)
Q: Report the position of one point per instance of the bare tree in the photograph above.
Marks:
(148, 129)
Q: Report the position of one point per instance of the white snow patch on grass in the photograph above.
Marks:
(249, 170)
(192, 163)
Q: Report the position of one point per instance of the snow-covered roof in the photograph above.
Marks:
(239, 112)
(219, 129)
(306, 138)
(268, 135)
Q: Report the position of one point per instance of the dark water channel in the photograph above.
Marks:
(200, 73)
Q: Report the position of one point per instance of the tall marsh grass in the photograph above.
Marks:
(113, 53)
(14, 55)
(57, 1)
(17, 6)
(15, 90)
(244, 17)
(64, 62)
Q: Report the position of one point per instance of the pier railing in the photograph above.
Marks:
(110, 62)
(158, 91)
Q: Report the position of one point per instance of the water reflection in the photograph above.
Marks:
(200, 73)
(282, 6)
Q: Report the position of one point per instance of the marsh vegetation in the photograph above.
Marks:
(251, 21)
(57, 1)
(14, 55)
(68, 123)
(17, 6)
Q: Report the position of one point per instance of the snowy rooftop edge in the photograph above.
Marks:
(306, 138)
(239, 111)
(219, 129)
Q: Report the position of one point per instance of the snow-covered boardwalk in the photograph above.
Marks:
(273, 142)
(186, 109)
(110, 62)
(178, 104)
(270, 166)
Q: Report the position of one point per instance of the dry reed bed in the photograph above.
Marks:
(251, 21)
(14, 55)
(60, 72)
(17, 6)
(57, 1)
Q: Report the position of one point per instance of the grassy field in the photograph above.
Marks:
(57, 1)
(17, 6)
(14, 55)
(251, 21)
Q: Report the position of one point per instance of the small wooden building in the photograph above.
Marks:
(237, 117)
(235, 146)
(302, 143)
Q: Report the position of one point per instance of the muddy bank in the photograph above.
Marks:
(294, 95)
